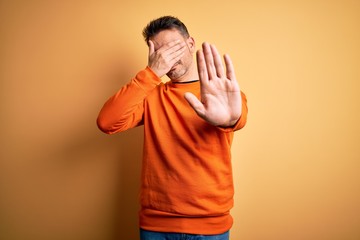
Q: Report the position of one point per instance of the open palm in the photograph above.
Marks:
(220, 102)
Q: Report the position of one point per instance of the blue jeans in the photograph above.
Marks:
(149, 235)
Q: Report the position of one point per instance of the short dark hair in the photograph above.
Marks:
(164, 23)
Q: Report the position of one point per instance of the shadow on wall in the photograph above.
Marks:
(105, 179)
(70, 181)
(105, 169)
(126, 150)
(61, 178)
(110, 184)
(126, 205)
(119, 169)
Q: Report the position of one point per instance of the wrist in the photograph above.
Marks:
(155, 71)
(230, 124)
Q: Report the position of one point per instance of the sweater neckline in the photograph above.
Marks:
(191, 81)
(184, 85)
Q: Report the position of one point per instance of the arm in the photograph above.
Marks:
(124, 110)
(221, 102)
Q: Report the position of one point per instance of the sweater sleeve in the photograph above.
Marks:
(125, 109)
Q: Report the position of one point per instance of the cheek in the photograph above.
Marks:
(187, 59)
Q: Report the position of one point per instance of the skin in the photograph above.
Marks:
(171, 53)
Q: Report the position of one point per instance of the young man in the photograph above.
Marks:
(187, 183)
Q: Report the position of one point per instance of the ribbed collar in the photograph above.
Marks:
(184, 85)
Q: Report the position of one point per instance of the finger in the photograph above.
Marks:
(230, 72)
(172, 52)
(209, 61)
(202, 70)
(217, 62)
(169, 47)
(172, 49)
(175, 60)
(195, 104)
(176, 52)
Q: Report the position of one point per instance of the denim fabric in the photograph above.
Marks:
(149, 235)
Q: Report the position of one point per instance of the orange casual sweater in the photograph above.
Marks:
(186, 180)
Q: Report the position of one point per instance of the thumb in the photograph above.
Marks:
(195, 104)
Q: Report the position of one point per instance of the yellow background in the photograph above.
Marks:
(296, 163)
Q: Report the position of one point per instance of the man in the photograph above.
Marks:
(186, 180)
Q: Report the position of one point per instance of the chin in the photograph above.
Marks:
(176, 74)
(172, 75)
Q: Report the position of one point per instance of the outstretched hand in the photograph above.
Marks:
(220, 102)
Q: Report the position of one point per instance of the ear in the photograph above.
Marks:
(191, 44)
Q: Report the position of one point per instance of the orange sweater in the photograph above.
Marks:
(187, 183)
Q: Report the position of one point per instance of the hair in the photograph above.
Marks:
(164, 23)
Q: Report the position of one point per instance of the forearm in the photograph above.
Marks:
(124, 109)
